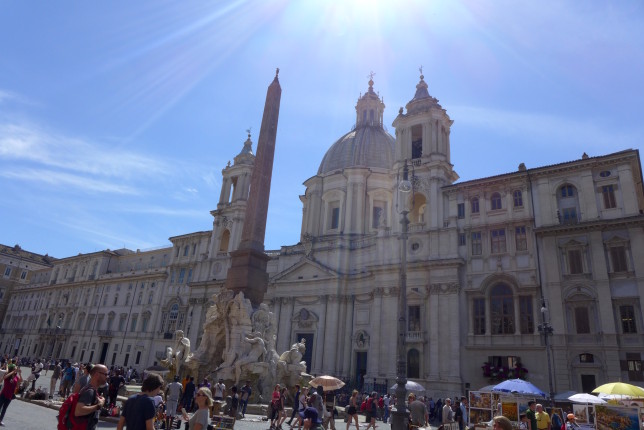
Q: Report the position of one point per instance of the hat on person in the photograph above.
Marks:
(570, 416)
(312, 414)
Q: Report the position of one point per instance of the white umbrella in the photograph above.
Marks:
(588, 399)
(410, 386)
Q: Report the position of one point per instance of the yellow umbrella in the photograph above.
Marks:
(620, 388)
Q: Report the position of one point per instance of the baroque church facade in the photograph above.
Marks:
(531, 273)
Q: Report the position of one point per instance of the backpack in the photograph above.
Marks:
(66, 418)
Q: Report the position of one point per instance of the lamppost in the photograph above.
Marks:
(399, 417)
(546, 329)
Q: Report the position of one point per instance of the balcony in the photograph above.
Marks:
(414, 337)
(104, 333)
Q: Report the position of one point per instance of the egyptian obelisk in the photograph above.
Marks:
(248, 266)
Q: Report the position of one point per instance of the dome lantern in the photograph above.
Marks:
(370, 107)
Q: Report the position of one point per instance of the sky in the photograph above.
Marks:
(117, 118)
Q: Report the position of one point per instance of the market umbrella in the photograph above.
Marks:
(518, 386)
(620, 388)
(410, 386)
(588, 399)
(328, 383)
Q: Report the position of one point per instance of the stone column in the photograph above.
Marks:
(434, 339)
(347, 359)
(285, 324)
(320, 342)
(330, 335)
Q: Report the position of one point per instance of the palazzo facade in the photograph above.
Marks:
(492, 265)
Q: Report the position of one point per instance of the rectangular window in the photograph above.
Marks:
(133, 322)
(144, 323)
(569, 216)
(182, 274)
(627, 315)
(608, 193)
(479, 316)
(521, 239)
(185, 251)
(194, 248)
(461, 210)
(498, 241)
(575, 263)
(618, 258)
(138, 357)
(172, 277)
(7, 271)
(23, 275)
(518, 199)
(526, 315)
(122, 324)
(335, 218)
(476, 243)
(189, 275)
(413, 321)
(461, 239)
(582, 320)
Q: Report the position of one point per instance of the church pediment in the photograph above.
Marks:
(305, 269)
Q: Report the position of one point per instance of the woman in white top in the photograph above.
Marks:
(301, 405)
(201, 418)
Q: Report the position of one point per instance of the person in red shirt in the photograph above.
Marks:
(11, 381)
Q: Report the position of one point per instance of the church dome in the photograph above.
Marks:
(368, 145)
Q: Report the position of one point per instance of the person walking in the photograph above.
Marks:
(139, 410)
(10, 382)
(448, 414)
(246, 391)
(68, 379)
(352, 411)
(54, 378)
(89, 402)
(296, 399)
(172, 396)
(189, 394)
(417, 411)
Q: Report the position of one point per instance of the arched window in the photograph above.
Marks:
(413, 363)
(172, 318)
(225, 239)
(495, 201)
(517, 198)
(417, 214)
(502, 309)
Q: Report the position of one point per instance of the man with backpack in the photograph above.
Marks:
(89, 402)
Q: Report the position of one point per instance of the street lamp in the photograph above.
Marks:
(399, 419)
(546, 329)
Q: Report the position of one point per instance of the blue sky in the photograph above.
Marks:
(116, 118)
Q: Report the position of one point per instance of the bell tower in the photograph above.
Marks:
(422, 142)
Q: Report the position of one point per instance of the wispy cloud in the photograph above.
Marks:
(164, 211)
(20, 142)
(63, 179)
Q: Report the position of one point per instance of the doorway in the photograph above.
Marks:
(104, 352)
(588, 383)
(361, 368)
(308, 353)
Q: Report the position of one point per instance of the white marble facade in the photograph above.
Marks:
(482, 256)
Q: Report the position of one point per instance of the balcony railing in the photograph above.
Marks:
(105, 333)
(414, 336)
